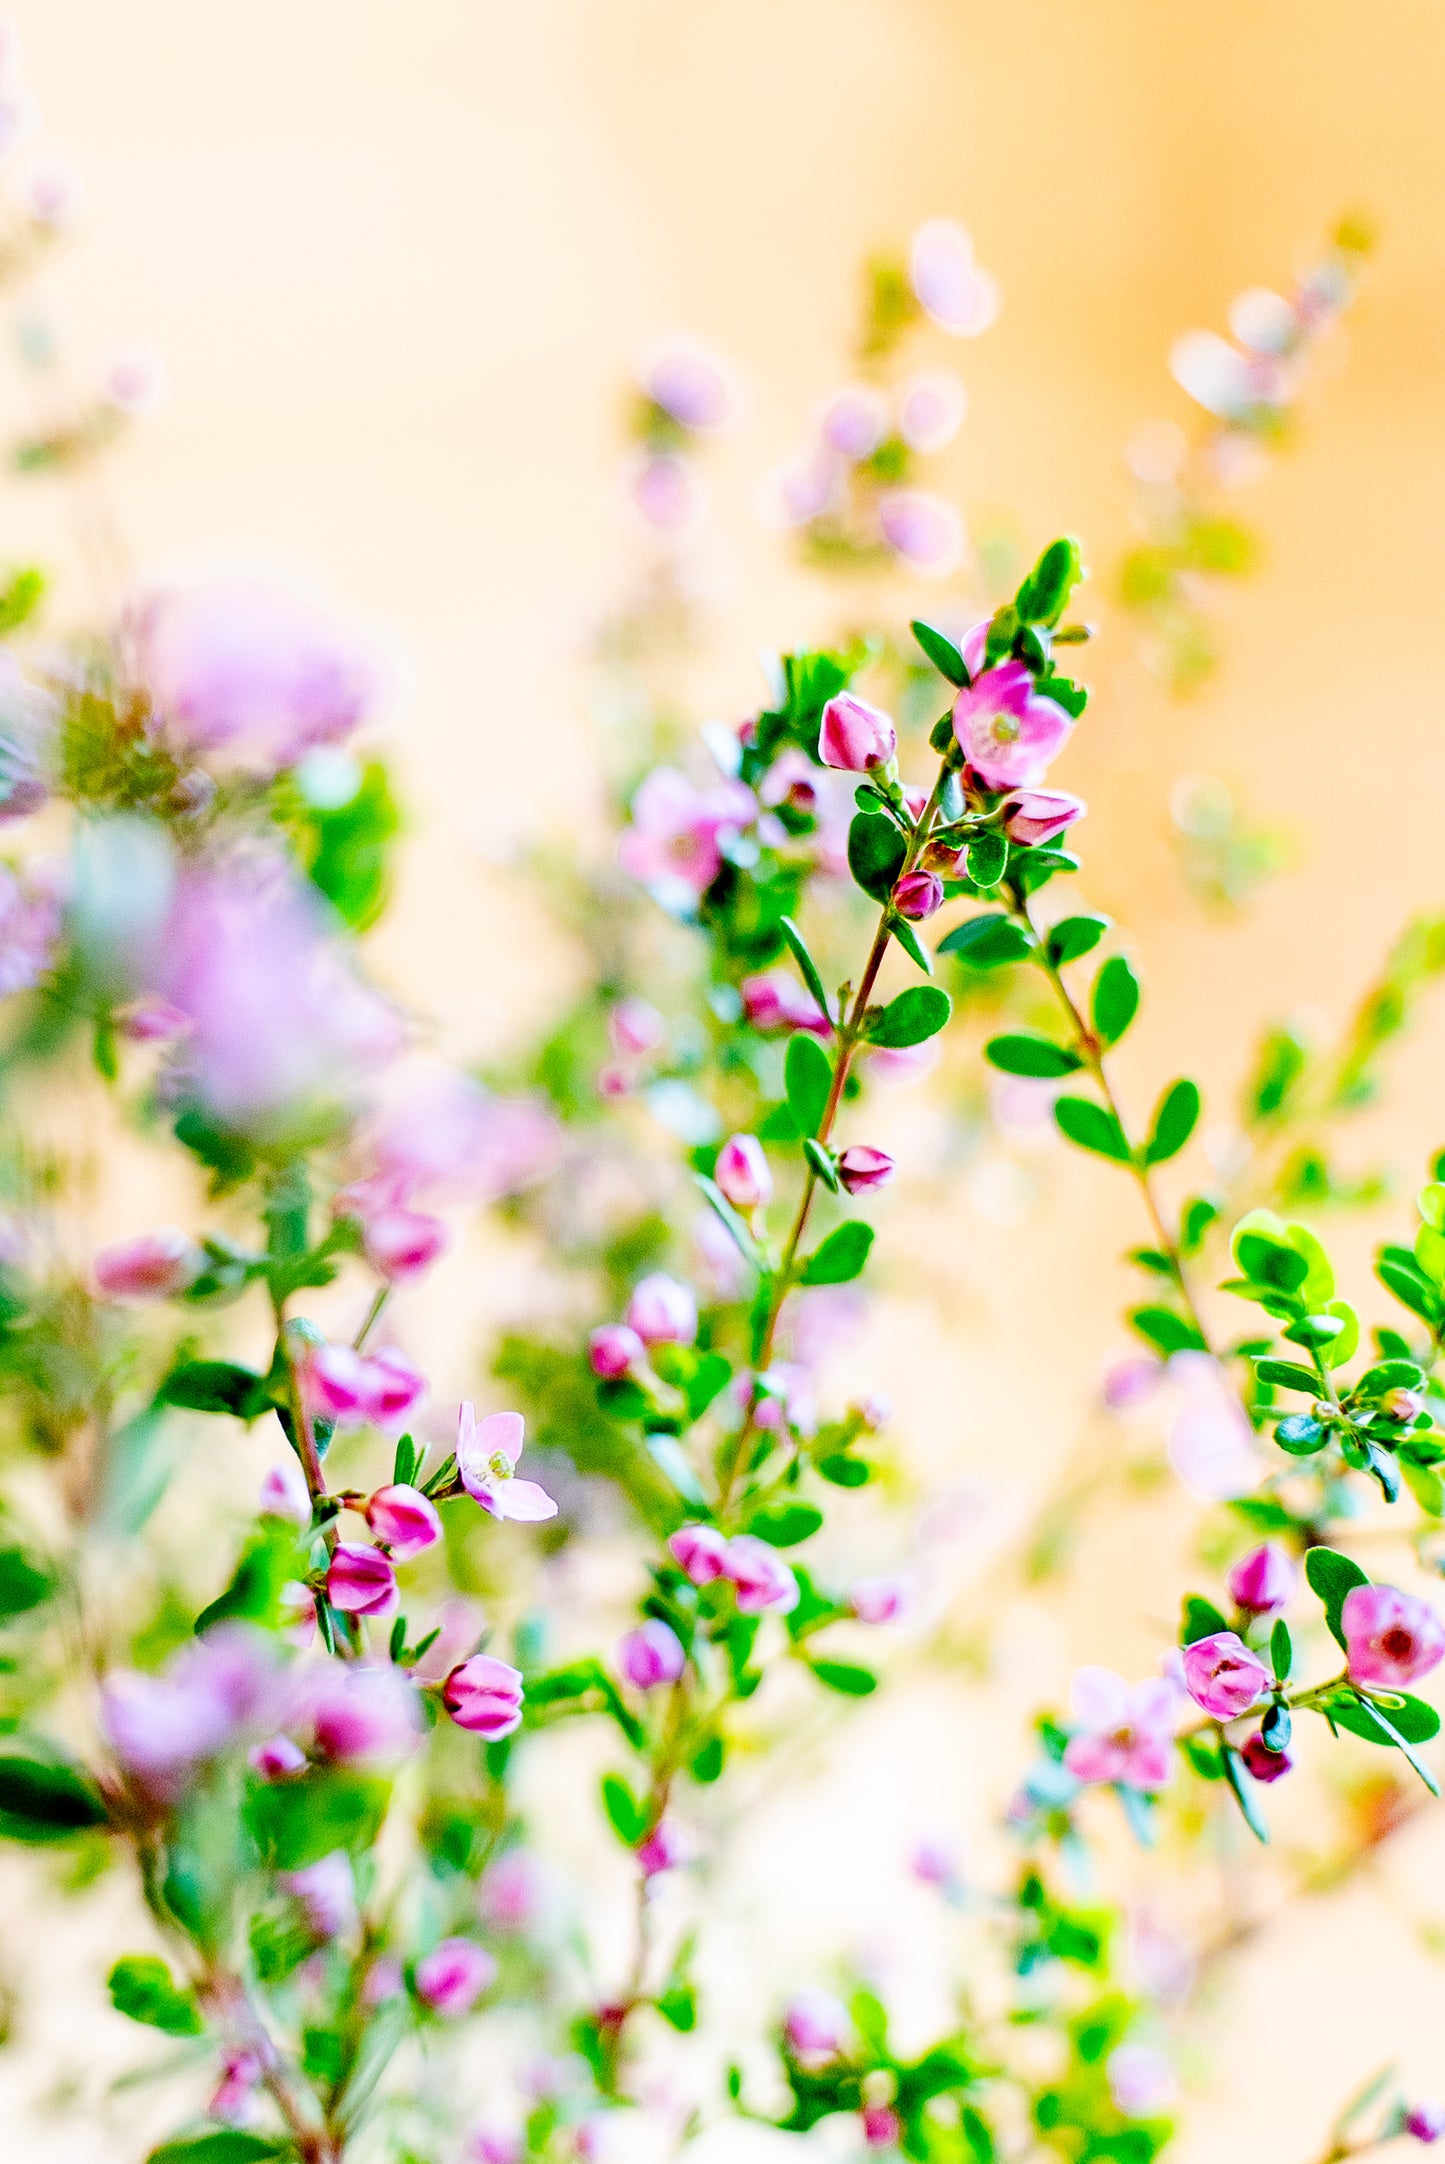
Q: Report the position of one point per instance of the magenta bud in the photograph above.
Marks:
(1403, 1404)
(1425, 2122)
(1391, 1638)
(1034, 816)
(662, 1311)
(154, 1266)
(452, 1978)
(278, 1759)
(484, 1695)
(815, 2025)
(881, 2126)
(405, 1519)
(855, 736)
(635, 1027)
(652, 1654)
(878, 1600)
(761, 1579)
(284, 1493)
(403, 1243)
(917, 895)
(773, 1000)
(699, 1552)
(1223, 1676)
(1264, 1580)
(1261, 1761)
(861, 1169)
(360, 1581)
(664, 1849)
(743, 1172)
(615, 1350)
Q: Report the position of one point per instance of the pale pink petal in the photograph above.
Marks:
(1098, 1698)
(1095, 1758)
(521, 1500)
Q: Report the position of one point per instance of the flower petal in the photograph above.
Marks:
(522, 1500)
(1099, 1699)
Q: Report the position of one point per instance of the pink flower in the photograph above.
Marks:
(932, 409)
(484, 1695)
(773, 1000)
(233, 2101)
(878, 1600)
(936, 1863)
(700, 1553)
(160, 1727)
(615, 1350)
(487, 1454)
(401, 1244)
(855, 736)
(343, 1385)
(1141, 2081)
(652, 1654)
(1391, 1639)
(662, 1311)
(327, 1892)
(1131, 1382)
(855, 421)
(881, 2126)
(1263, 1580)
(1211, 1444)
(284, 1493)
(30, 921)
(277, 1759)
(404, 1519)
(439, 1133)
(862, 1168)
(1263, 1763)
(358, 1711)
(760, 1576)
(134, 383)
(494, 2145)
(451, 1979)
(815, 2025)
(917, 895)
(1034, 816)
(512, 1891)
(1124, 1734)
(664, 1849)
(635, 1027)
(153, 1266)
(1007, 730)
(690, 383)
(924, 530)
(250, 667)
(52, 193)
(948, 282)
(1223, 1676)
(743, 1172)
(678, 834)
(669, 491)
(360, 1581)
(1425, 2122)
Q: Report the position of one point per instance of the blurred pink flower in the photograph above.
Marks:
(284, 1493)
(152, 1266)
(815, 2024)
(761, 1578)
(401, 1244)
(1391, 1638)
(700, 1553)
(277, 1759)
(487, 1454)
(161, 1726)
(933, 407)
(512, 1891)
(855, 421)
(879, 1600)
(345, 1386)
(669, 491)
(1141, 2081)
(695, 386)
(452, 1978)
(1264, 1580)
(651, 1655)
(614, 1350)
(327, 1892)
(774, 1000)
(675, 843)
(662, 1310)
(1211, 1444)
(923, 529)
(948, 282)
(436, 1134)
(1125, 1733)
(664, 1849)
(234, 2100)
(743, 1172)
(357, 1711)
(30, 922)
(635, 1027)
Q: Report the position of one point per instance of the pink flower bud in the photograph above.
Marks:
(405, 1519)
(933, 407)
(278, 1759)
(662, 1311)
(652, 1654)
(881, 2126)
(1263, 1580)
(494, 2145)
(815, 2025)
(1034, 816)
(855, 421)
(154, 1266)
(761, 1578)
(917, 895)
(1263, 1763)
(923, 529)
(615, 1350)
(1131, 1382)
(284, 1493)
(1391, 1639)
(956, 293)
(773, 1000)
(1425, 2122)
(327, 1892)
(635, 1027)
(691, 384)
(451, 1979)
(878, 1600)
(855, 736)
(669, 492)
(395, 1387)
(1141, 2082)
(1403, 1404)
(665, 1848)
(484, 1695)
(743, 1172)
(861, 1169)
(1223, 1676)
(233, 2100)
(512, 1891)
(700, 1553)
(360, 1711)
(401, 1244)
(935, 1862)
(360, 1581)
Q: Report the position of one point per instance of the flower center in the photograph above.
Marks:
(1004, 729)
(1398, 1643)
(1123, 1739)
(499, 1465)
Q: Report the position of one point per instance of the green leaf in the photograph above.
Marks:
(45, 1800)
(1170, 1332)
(1174, 1122)
(1044, 594)
(805, 963)
(216, 1386)
(822, 1162)
(1389, 1375)
(942, 652)
(876, 851)
(1091, 1127)
(1398, 1274)
(1115, 1000)
(626, 1816)
(20, 597)
(1332, 1576)
(988, 942)
(988, 858)
(707, 1764)
(295, 1823)
(1029, 1055)
(843, 1471)
(143, 1988)
(1284, 1375)
(23, 1585)
(1301, 1435)
(1243, 1795)
(1383, 1720)
(786, 1524)
(1281, 1651)
(1413, 1718)
(1073, 937)
(902, 931)
(1201, 1620)
(737, 1231)
(678, 2007)
(839, 1258)
(227, 2145)
(845, 1677)
(914, 1016)
(346, 847)
(808, 1078)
